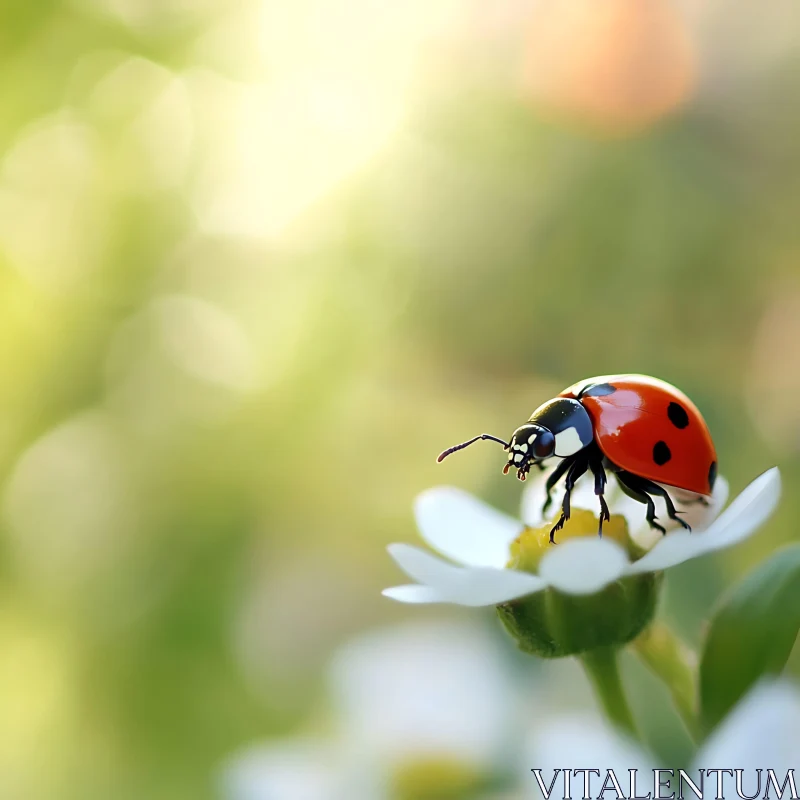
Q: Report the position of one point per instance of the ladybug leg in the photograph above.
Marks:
(578, 467)
(660, 491)
(630, 485)
(552, 480)
(600, 481)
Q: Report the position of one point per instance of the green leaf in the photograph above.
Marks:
(751, 634)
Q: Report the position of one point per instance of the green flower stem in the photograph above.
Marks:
(672, 661)
(602, 667)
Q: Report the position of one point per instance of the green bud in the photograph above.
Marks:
(552, 624)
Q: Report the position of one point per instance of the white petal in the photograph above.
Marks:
(413, 593)
(584, 565)
(487, 586)
(423, 567)
(465, 529)
(467, 586)
(701, 517)
(762, 732)
(741, 519)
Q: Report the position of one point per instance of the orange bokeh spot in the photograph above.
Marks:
(616, 65)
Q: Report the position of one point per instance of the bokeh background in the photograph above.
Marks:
(260, 261)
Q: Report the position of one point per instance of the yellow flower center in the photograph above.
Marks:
(528, 549)
(552, 624)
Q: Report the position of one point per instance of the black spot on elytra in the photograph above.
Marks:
(661, 453)
(712, 474)
(599, 390)
(677, 415)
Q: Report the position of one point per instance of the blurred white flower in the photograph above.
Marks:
(478, 538)
(432, 702)
(580, 740)
(417, 692)
(762, 732)
(301, 769)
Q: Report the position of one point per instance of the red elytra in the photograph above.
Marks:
(633, 422)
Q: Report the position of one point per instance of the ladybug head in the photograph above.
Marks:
(529, 443)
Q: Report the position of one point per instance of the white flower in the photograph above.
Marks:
(402, 697)
(762, 732)
(301, 769)
(416, 691)
(478, 539)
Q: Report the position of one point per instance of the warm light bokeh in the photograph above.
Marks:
(261, 261)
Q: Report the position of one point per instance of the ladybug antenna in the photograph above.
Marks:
(461, 446)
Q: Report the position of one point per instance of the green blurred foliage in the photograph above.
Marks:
(208, 435)
(751, 634)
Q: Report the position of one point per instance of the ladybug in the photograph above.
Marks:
(647, 433)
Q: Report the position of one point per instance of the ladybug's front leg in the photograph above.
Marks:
(578, 467)
(552, 480)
